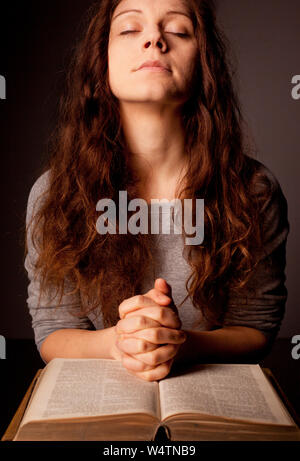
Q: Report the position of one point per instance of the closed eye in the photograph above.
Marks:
(125, 32)
(179, 34)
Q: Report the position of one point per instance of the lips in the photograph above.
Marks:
(154, 64)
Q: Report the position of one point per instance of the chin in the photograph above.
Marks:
(153, 93)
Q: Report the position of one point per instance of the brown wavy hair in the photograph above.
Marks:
(89, 161)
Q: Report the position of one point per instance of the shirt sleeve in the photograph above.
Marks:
(261, 302)
(47, 316)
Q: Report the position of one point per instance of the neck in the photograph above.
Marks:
(155, 139)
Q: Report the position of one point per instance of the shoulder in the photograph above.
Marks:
(40, 185)
(273, 206)
(37, 192)
(262, 178)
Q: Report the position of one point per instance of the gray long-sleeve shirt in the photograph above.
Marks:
(260, 305)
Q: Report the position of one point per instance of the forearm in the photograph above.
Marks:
(76, 343)
(228, 344)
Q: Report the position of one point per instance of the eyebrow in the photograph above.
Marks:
(140, 11)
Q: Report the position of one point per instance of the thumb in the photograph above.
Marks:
(161, 285)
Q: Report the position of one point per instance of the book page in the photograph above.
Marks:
(230, 391)
(90, 387)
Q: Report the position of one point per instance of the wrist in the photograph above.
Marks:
(193, 349)
(101, 344)
(114, 351)
(183, 351)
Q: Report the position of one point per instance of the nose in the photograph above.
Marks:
(155, 38)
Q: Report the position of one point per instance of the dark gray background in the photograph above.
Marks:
(36, 39)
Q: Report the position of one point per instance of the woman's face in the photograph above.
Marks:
(157, 30)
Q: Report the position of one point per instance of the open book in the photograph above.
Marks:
(97, 399)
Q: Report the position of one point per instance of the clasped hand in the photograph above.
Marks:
(148, 334)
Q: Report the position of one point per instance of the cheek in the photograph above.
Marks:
(115, 66)
(119, 60)
(112, 58)
(188, 61)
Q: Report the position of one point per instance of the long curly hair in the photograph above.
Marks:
(89, 161)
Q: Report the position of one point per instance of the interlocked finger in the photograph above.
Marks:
(154, 374)
(134, 364)
(162, 314)
(134, 323)
(159, 335)
(160, 355)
